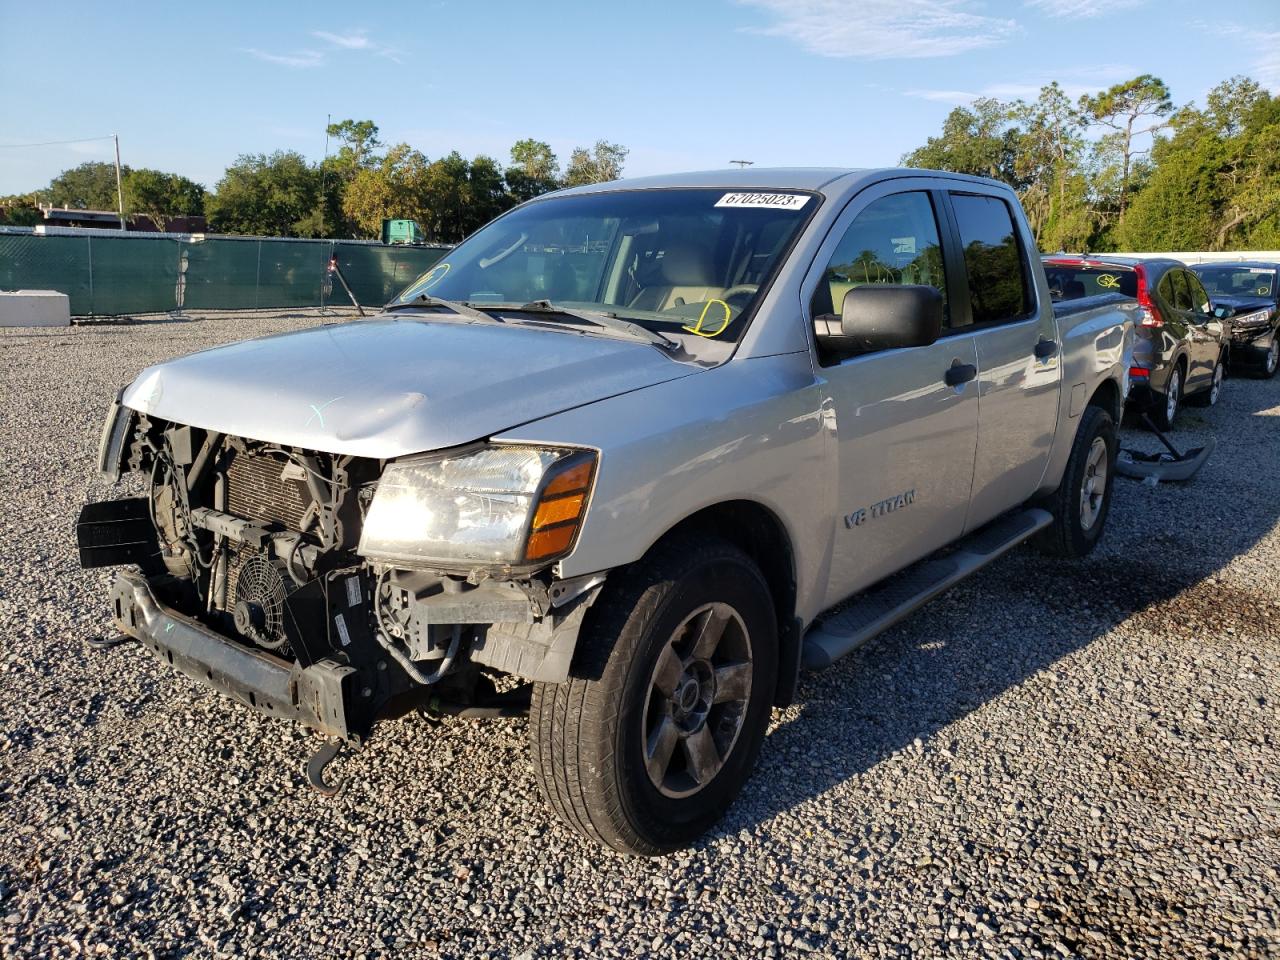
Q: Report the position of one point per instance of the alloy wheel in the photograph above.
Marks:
(1172, 395)
(1094, 487)
(698, 698)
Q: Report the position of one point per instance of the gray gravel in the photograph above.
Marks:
(1052, 760)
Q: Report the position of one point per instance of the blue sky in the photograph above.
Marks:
(684, 85)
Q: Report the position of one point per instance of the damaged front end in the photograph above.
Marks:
(338, 590)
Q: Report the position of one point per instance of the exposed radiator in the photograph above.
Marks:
(257, 491)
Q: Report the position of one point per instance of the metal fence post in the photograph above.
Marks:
(257, 278)
(88, 242)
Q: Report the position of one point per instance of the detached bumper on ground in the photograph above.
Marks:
(316, 696)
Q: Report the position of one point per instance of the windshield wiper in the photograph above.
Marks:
(461, 309)
(609, 321)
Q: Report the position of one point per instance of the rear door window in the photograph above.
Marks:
(1199, 297)
(999, 284)
(1181, 292)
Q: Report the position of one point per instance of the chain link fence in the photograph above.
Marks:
(110, 275)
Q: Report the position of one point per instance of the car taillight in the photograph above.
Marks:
(1150, 313)
(1140, 371)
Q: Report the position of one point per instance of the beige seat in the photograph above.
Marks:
(684, 274)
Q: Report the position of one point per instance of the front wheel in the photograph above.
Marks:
(1082, 501)
(653, 737)
(1271, 359)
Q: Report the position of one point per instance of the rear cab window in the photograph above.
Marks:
(999, 281)
(1070, 280)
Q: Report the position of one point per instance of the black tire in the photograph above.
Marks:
(1210, 396)
(1073, 534)
(1164, 411)
(1269, 359)
(588, 736)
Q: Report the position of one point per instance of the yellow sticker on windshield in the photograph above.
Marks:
(1108, 282)
(702, 317)
(426, 281)
(1264, 291)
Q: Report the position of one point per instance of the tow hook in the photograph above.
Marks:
(107, 642)
(320, 760)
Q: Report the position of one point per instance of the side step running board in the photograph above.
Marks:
(848, 625)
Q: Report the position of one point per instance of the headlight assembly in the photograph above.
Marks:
(500, 505)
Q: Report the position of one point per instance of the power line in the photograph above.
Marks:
(54, 143)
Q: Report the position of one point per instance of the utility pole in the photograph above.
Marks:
(119, 189)
(324, 172)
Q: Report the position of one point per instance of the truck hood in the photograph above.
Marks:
(394, 386)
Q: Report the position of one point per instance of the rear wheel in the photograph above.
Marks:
(1168, 405)
(652, 739)
(1081, 503)
(1211, 396)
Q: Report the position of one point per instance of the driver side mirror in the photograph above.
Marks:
(882, 317)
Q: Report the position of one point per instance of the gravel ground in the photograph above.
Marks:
(1051, 760)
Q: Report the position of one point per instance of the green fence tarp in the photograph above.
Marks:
(107, 276)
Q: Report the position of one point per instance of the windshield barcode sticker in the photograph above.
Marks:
(768, 201)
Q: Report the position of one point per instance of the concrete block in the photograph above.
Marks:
(34, 308)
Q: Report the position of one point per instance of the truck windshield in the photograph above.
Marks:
(689, 260)
(1236, 281)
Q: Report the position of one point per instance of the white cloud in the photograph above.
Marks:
(358, 40)
(349, 41)
(1082, 9)
(883, 29)
(299, 58)
(1075, 83)
(1266, 66)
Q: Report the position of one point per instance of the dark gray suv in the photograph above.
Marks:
(1181, 346)
(1246, 292)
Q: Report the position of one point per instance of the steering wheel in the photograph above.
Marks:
(742, 289)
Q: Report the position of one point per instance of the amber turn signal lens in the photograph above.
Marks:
(564, 498)
(571, 481)
(547, 543)
(551, 512)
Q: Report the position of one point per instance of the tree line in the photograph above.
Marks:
(348, 194)
(1123, 168)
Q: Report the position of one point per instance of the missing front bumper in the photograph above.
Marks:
(322, 696)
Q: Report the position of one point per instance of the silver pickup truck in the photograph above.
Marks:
(627, 459)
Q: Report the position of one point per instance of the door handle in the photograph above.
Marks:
(1046, 349)
(959, 373)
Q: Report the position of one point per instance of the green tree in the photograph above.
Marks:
(979, 140)
(600, 164)
(21, 210)
(267, 195)
(394, 189)
(90, 186)
(358, 143)
(1130, 110)
(534, 170)
(162, 196)
(1048, 164)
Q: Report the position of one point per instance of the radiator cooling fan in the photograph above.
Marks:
(259, 608)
